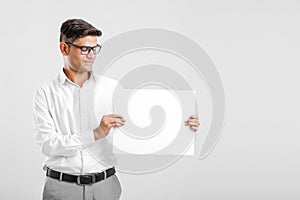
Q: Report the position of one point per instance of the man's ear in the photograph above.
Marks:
(64, 48)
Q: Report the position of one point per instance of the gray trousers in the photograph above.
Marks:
(108, 189)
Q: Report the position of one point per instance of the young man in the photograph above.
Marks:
(66, 125)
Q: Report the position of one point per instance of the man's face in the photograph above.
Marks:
(76, 61)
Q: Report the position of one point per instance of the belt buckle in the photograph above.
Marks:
(93, 176)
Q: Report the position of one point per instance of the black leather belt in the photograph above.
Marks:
(81, 179)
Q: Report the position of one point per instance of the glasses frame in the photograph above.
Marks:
(89, 48)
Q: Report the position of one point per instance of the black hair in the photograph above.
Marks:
(73, 29)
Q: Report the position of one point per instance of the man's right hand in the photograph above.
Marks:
(107, 122)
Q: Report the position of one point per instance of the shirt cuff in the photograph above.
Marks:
(87, 137)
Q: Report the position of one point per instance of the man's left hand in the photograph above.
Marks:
(193, 122)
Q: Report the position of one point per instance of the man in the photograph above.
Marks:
(66, 126)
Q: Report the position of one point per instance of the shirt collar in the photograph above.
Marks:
(63, 78)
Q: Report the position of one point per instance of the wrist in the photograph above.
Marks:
(98, 133)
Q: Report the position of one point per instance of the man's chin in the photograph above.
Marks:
(86, 68)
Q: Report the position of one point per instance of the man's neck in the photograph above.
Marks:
(76, 77)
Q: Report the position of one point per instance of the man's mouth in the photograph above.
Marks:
(88, 62)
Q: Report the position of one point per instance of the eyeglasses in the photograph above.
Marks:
(85, 50)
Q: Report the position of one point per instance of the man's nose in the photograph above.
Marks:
(90, 54)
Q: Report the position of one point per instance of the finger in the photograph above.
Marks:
(115, 116)
(194, 128)
(117, 124)
(116, 120)
(193, 124)
(191, 120)
(194, 117)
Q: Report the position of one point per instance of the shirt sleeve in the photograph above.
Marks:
(52, 142)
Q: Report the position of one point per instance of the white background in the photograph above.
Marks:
(255, 47)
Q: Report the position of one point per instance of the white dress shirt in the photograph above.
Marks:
(64, 119)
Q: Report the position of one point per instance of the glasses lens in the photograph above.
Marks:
(85, 50)
(97, 49)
